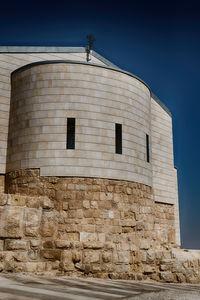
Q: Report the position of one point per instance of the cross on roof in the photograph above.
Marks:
(91, 40)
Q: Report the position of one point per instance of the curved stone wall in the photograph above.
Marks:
(44, 96)
(12, 58)
(90, 227)
(85, 226)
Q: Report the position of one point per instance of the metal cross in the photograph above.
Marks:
(91, 41)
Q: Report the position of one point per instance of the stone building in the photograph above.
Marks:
(88, 184)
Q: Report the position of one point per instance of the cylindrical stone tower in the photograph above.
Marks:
(44, 96)
(80, 134)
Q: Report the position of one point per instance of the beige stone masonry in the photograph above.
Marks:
(44, 96)
(2, 183)
(10, 62)
(90, 227)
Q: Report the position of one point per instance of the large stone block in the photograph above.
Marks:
(93, 245)
(45, 202)
(16, 245)
(17, 200)
(167, 276)
(3, 198)
(90, 256)
(11, 220)
(51, 254)
(32, 222)
(2, 183)
(62, 244)
(49, 223)
(88, 237)
(67, 261)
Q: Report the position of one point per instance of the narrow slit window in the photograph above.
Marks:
(70, 133)
(147, 148)
(118, 138)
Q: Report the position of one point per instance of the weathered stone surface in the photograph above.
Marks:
(62, 244)
(46, 203)
(2, 183)
(11, 220)
(91, 257)
(1, 245)
(167, 276)
(16, 245)
(51, 254)
(48, 223)
(149, 269)
(32, 222)
(3, 198)
(33, 202)
(33, 254)
(20, 256)
(35, 244)
(88, 237)
(33, 267)
(93, 245)
(180, 277)
(67, 261)
(103, 228)
(144, 244)
(107, 257)
(76, 256)
(48, 244)
(17, 200)
(150, 258)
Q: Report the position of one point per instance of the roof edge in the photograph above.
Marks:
(41, 49)
(95, 65)
(54, 49)
(161, 104)
(104, 60)
(45, 62)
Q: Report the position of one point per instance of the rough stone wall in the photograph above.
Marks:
(89, 227)
(114, 206)
(2, 183)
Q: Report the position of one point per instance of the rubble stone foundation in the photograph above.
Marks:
(89, 227)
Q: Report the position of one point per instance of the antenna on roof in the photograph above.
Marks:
(88, 48)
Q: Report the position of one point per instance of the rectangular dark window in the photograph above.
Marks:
(147, 148)
(118, 138)
(70, 133)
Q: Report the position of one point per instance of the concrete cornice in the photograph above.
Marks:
(40, 49)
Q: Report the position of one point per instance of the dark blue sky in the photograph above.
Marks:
(157, 41)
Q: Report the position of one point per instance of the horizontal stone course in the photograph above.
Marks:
(10, 62)
(115, 98)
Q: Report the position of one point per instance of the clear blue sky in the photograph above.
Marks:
(157, 41)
